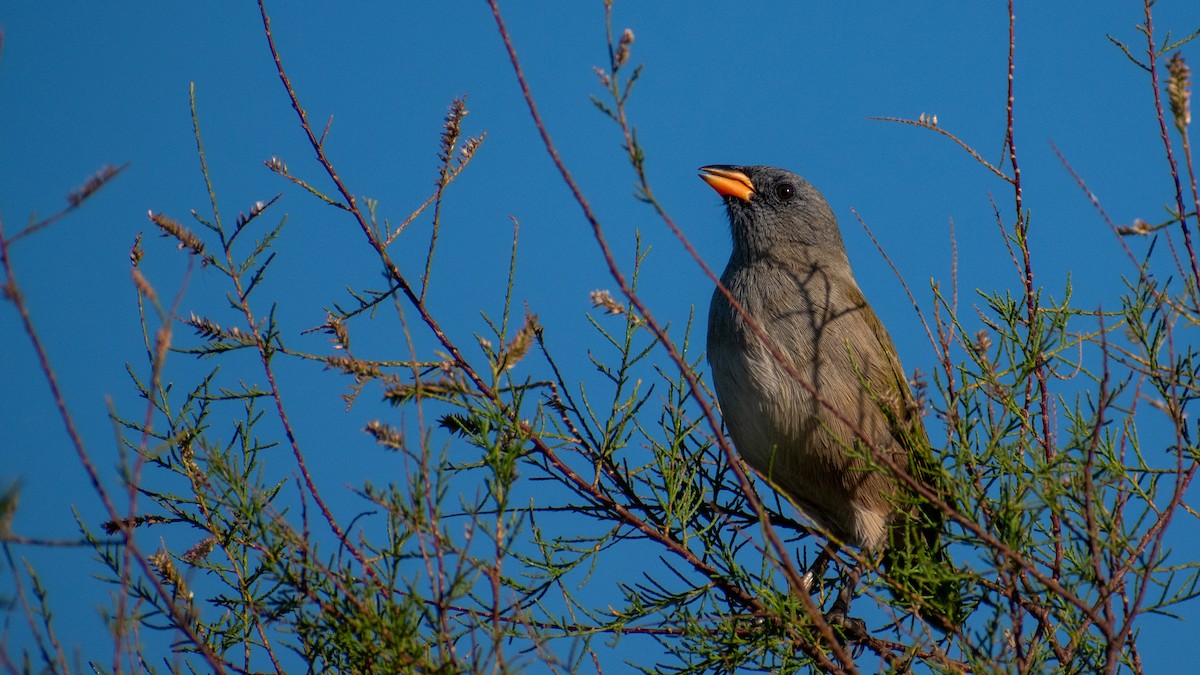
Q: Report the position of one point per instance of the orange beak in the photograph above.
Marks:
(728, 181)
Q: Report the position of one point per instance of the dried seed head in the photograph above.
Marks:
(336, 327)
(162, 563)
(143, 286)
(200, 551)
(172, 228)
(982, 342)
(604, 79)
(1138, 226)
(135, 252)
(255, 210)
(93, 183)
(1179, 92)
(467, 151)
(452, 130)
(361, 370)
(386, 435)
(113, 526)
(605, 300)
(204, 327)
(622, 54)
(518, 347)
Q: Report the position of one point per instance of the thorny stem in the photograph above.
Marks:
(1031, 303)
(1105, 586)
(1039, 374)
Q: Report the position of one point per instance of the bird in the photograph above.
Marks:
(812, 391)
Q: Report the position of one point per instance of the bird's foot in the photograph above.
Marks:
(809, 583)
(854, 629)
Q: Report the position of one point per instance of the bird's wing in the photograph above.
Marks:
(913, 547)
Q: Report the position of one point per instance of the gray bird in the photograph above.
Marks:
(789, 274)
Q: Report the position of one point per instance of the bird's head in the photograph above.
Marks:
(771, 208)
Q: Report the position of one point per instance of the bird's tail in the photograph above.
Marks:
(919, 571)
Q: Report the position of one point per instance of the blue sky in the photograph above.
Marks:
(792, 84)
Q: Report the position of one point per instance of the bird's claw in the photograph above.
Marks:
(854, 629)
(809, 583)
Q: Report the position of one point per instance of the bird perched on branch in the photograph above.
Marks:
(812, 391)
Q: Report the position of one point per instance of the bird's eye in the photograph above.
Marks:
(785, 191)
